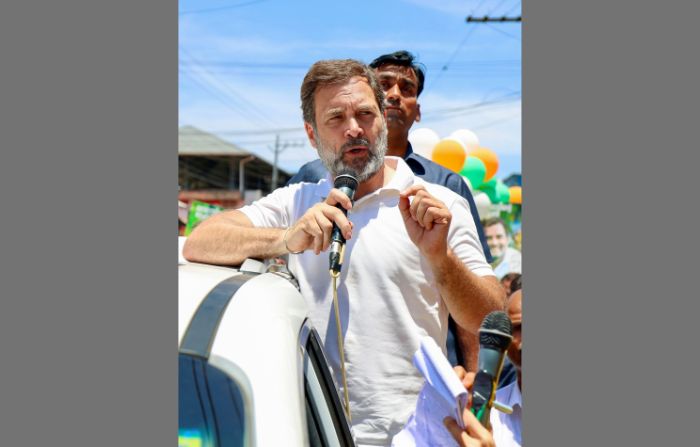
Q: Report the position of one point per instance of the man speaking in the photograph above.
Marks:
(412, 253)
(402, 79)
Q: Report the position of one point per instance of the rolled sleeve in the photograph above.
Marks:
(270, 211)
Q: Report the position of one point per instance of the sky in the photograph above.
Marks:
(241, 64)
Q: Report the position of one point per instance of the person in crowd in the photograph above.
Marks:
(431, 424)
(509, 373)
(475, 435)
(402, 79)
(507, 428)
(506, 259)
(508, 279)
(423, 429)
(412, 252)
(516, 284)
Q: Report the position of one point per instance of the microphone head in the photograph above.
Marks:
(345, 181)
(496, 331)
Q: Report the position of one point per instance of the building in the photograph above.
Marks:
(215, 171)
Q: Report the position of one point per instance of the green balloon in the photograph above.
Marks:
(502, 192)
(490, 189)
(475, 170)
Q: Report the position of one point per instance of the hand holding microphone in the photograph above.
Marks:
(317, 228)
(495, 334)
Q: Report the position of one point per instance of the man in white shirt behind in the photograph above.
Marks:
(506, 259)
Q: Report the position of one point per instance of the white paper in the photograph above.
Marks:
(442, 395)
(438, 373)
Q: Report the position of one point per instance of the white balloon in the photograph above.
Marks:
(423, 141)
(483, 203)
(467, 137)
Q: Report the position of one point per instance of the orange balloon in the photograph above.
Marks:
(450, 153)
(516, 194)
(489, 158)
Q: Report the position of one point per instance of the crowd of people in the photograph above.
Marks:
(418, 259)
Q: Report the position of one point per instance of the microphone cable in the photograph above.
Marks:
(341, 350)
(346, 184)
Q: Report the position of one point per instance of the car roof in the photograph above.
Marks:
(256, 343)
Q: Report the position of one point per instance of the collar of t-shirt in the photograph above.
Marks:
(409, 151)
(514, 396)
(403, 178)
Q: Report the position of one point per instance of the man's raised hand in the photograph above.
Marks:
(427, 220)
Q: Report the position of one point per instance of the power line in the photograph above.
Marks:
(505, 98)
(304, 66)
(221, 86)
(207, 77)
(462, 113)
(478, 6)
(435, 115)
(216, 91)
(249, 132)
(467, 72)
(277, 150)
(498, 121)
(220, 8)
(497, 6)
(464, 109)
(513, 8)
(503, 32)
(451, 58)
(459, 47)
(449, 61)
(475, 68)
(218, 96)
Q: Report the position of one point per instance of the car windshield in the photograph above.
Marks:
(211, 409)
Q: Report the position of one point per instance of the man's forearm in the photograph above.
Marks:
(229, 239)
(468, 344)
(468, 297)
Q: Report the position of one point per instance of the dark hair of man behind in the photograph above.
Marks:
(516, 284)
(403, 59)
(336, 71)
(491, 221)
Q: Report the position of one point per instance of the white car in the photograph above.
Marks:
(252, 371)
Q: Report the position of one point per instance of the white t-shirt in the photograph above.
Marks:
(510, 263)
(507, 430)
(387, 295)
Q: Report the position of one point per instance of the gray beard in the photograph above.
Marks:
(333, 159)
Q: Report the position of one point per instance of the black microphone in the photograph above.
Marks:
(347, 184)
(495, 334)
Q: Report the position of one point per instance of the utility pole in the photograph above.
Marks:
(487, 19)
(274, 163)
(277, 150)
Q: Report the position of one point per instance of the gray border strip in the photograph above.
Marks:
(200, 333)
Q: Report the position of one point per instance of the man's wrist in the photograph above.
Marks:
(286, 244)
(437, 258)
